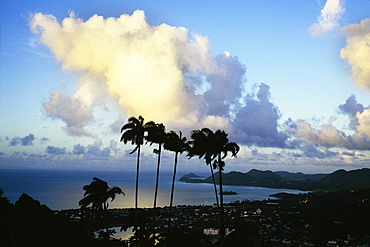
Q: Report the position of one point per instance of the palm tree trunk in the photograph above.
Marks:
(214, 185)
(105, 208)
(156, 186)
(137, 186)
(82, 222)
(172, 192)
(222, 223)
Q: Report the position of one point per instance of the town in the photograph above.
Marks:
(338, 218)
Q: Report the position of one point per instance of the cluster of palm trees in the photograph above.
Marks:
(211, 146)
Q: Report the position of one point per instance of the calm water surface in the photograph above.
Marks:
(60, 189)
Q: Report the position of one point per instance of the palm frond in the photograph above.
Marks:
(97, 193)
(175, 142)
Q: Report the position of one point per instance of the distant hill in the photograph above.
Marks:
(235, 178)
(257, 174)
(300, 175)
(337, 180)
(342, 179)
(192, 175)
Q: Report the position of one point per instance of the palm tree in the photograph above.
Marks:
(220, 148)
(178, 144)
(133, 132)
(97, 193)
(156, 134)
(213, 147)
(202, 146)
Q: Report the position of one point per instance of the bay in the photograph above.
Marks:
(62, 189)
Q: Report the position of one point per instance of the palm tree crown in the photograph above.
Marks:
(155, 132)
(221, 145)
(176, 143)
(97, 193)
(133, 132)
(201, 144)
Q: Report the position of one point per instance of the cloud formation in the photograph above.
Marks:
(257, 122)
(329, 17)
(78, 149)
(25, 141)
(161, 72)
(55, 150)
(357, 52)
(359, 115)
(168, 75)
(96, 150)
(329, 136)
(70, 110)
(351, 107)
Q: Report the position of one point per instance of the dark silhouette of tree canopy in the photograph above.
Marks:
(213, 147)
(178, 144)
(133, 132)
(201, 146)
(97, 194)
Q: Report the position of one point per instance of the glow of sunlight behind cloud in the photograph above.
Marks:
(143, 68)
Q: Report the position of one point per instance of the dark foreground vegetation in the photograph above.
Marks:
(338, 218)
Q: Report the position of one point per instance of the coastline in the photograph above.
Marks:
(63, 189)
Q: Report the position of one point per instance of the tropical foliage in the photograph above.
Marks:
(202, 146)
(97, 194)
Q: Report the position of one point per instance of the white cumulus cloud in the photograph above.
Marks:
(160, 72)
(329, 17)
(357, 52)
(71, 110)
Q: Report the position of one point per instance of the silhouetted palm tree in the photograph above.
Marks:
(220, 148)
(178, 144)
(201, 146)
(133, 132)
(213, 147)
(97, 193)
(156, 134)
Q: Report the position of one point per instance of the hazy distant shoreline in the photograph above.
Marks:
(337, 180)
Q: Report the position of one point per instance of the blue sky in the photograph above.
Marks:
(288, 80)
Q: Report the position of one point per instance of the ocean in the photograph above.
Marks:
(62, 189)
